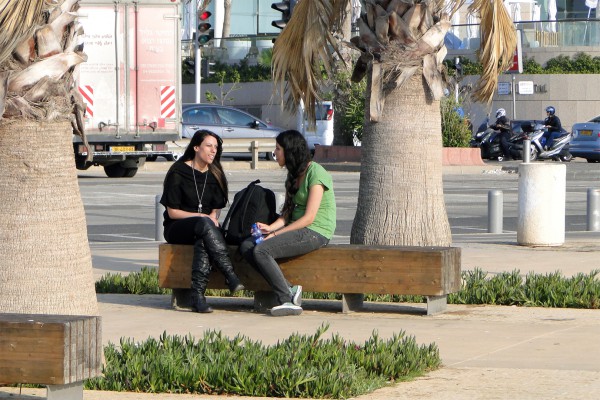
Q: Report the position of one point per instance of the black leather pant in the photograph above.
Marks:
(210, 248)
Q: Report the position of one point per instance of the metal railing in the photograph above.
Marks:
(535, 34)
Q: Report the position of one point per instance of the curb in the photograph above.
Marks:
(451, 156)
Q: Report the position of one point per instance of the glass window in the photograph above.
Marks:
(322, 111)
(233, 117)
(198, 116)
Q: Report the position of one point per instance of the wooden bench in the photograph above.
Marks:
(254, 147)
(352, 270)
(59, 351)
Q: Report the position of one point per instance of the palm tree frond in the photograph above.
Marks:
(3, 88)
(18, 19)
(498, 43)
(302, 48)
(53, 67)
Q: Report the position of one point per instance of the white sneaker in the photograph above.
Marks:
(296, 295)
(286, 309)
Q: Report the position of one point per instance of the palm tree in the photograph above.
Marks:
(401, 45)
(45, 260)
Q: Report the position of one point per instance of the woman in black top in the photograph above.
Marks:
(195, 190)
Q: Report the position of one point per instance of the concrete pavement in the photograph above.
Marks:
(488, 352)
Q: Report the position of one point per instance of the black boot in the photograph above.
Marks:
(199, 303)
(200, 272)
(217, 248)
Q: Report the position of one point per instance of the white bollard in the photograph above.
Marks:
(593, 210)
(158, 219)
(495, 211)
(542, 193)
(279, 200)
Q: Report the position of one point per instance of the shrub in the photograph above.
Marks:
(350, 107)
(300, 366)
(456, 131)
(506, 288)
(143, 282)
(581, 63)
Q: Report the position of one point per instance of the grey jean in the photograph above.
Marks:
(287, 244)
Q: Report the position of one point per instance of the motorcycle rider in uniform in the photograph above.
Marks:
(553, 127)
(503, 125)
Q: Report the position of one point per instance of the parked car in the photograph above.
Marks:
(322, 133)
(227, 122)
(586, 140)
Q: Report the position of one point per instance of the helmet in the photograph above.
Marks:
(501, 112)
(551, 110)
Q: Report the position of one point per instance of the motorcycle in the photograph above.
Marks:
(488, 142)
(560, 147)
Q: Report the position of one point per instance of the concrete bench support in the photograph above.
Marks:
(72, 391)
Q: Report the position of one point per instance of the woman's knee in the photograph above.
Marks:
(203, 226)
(247, 249)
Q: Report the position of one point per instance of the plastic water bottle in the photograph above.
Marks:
(256, 234)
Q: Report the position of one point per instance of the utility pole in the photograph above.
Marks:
(197, 54)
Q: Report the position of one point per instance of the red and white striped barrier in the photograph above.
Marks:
(87, 92)
(167, 101)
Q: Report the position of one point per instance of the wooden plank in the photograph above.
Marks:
(45, 372)
(240, 145)
(431, 271)
(85, 373)
(99, 349)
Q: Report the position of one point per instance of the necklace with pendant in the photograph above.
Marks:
(200, 197)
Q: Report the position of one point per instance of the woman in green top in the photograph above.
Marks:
(307, 220)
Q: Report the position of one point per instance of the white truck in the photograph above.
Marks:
(131, 83)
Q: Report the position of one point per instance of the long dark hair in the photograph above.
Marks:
(297, 157)
(215, 168)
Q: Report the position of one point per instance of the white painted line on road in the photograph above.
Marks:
(125, 236)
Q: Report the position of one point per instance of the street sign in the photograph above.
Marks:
(503, 88)
(526, 87)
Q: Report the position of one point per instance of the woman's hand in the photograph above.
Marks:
(269, 230)
(175, 213)
(214, 216)
(264, 228)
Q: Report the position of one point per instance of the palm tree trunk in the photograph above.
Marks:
(401, 199)
(45, 260)
(226, 22)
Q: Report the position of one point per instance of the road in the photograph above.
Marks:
(122, 210)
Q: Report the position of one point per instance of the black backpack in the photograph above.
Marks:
(251, 204)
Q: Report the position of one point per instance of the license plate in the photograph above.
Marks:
(122, 148)
(585, 132)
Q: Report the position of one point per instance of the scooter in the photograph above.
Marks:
(560, 147)
(489, 143)
(516, 144)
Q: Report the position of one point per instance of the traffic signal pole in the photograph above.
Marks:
(197, 55)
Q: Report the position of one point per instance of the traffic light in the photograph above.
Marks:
(189, 66)
(286, 8)
(188, 70)
(206, 66)
(205, 31)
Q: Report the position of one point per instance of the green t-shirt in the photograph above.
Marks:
(325, 219)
